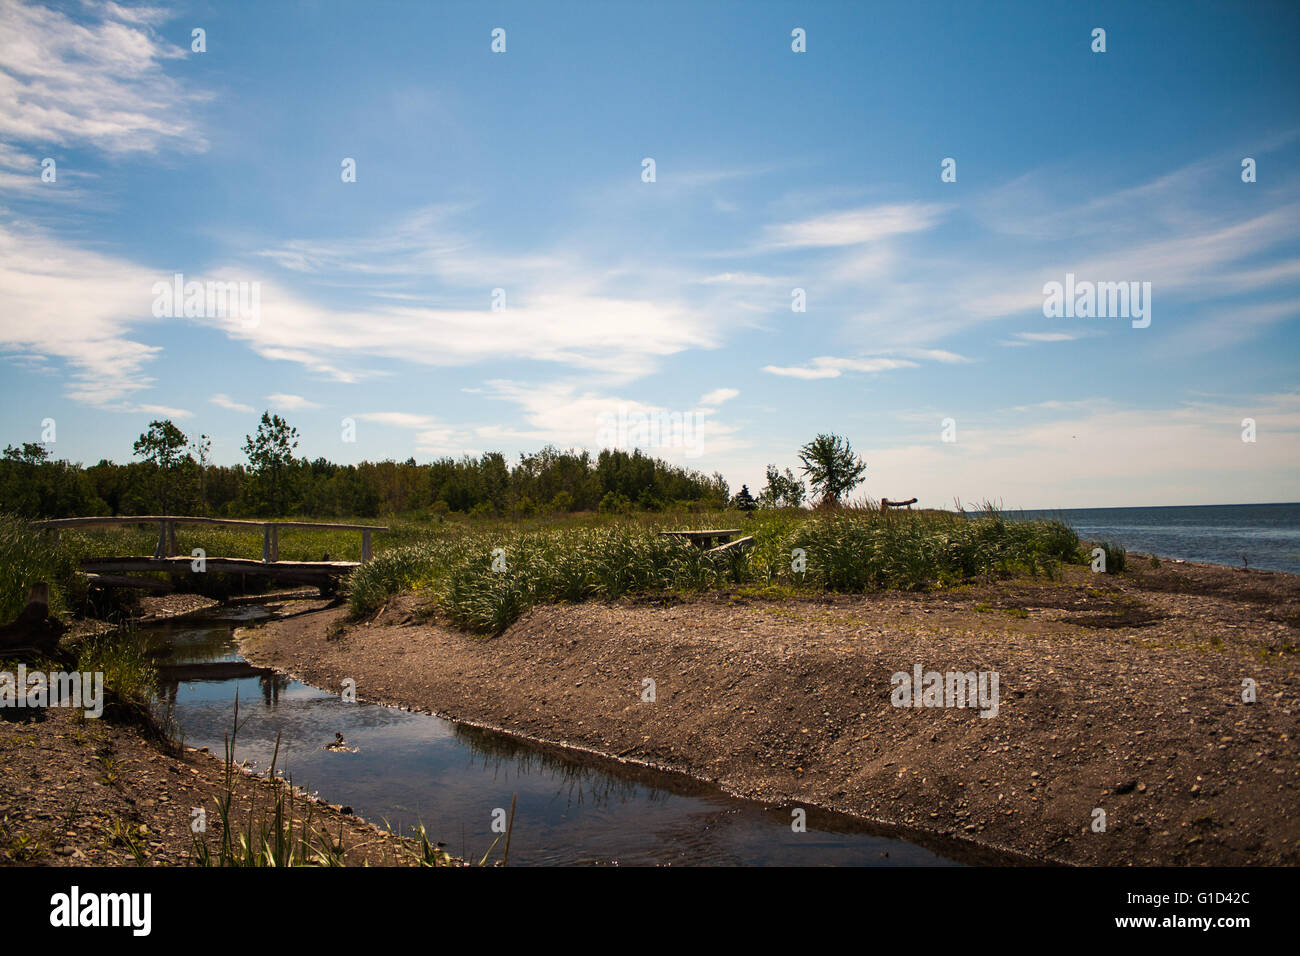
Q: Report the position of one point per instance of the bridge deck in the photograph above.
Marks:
(295, 570)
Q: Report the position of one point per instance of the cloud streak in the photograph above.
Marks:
(99, 82)
(853, 227)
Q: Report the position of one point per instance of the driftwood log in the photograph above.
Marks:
(33, 631)
(886, 503)
(737, 546)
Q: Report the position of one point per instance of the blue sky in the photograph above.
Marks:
(774, 170)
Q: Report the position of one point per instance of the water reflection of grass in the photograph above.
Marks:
(585, 780)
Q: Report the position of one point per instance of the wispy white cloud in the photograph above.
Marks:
(21, 174)
(78, 306)
(854, 226)
(932, 355)
(568, 415)
(166, 411)
(291, 403)
(1056, 405)
(1236, 324)
(742, 279)
(718, 396)
(225, 401)
(425, 295)
(1031, 338)
(619, 338)
(432, 437)
(68, 302)
(97, 81)
(1201, 255)
(1049, 336)
(398, 419)
(829, 366)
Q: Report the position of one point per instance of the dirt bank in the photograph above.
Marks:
(1116, 693)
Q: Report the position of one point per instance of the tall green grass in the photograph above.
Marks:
(130, 679)
(280, 834)
(857, 551)
(849, 550)
(276, 836)
(1116, 557)
(26, 557)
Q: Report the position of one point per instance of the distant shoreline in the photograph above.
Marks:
(1238, 504)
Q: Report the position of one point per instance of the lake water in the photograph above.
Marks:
(413, 768)
(1268, 535)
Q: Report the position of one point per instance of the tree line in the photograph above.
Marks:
(174, 475)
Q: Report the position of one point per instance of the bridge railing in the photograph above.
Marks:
(166, 547)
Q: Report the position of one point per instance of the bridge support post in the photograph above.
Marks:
(172, 550)
(266, 542)
(275, 543)
(160, 550)
(365, 547)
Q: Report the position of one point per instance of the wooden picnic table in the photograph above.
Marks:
(704, 538)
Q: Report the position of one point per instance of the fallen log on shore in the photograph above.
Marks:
(33, 632)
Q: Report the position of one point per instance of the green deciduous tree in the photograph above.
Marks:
(831, 467)
(271, 461)
(32, 453)
(782, 490)
(202, 454)
(163, 447)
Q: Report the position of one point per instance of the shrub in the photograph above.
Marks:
(614, 503)
(130, 676)
(1116, 557)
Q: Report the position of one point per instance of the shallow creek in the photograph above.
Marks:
(411, 768)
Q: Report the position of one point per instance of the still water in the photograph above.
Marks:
(414, 768)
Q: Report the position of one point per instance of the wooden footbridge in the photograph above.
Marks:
(112, 571)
